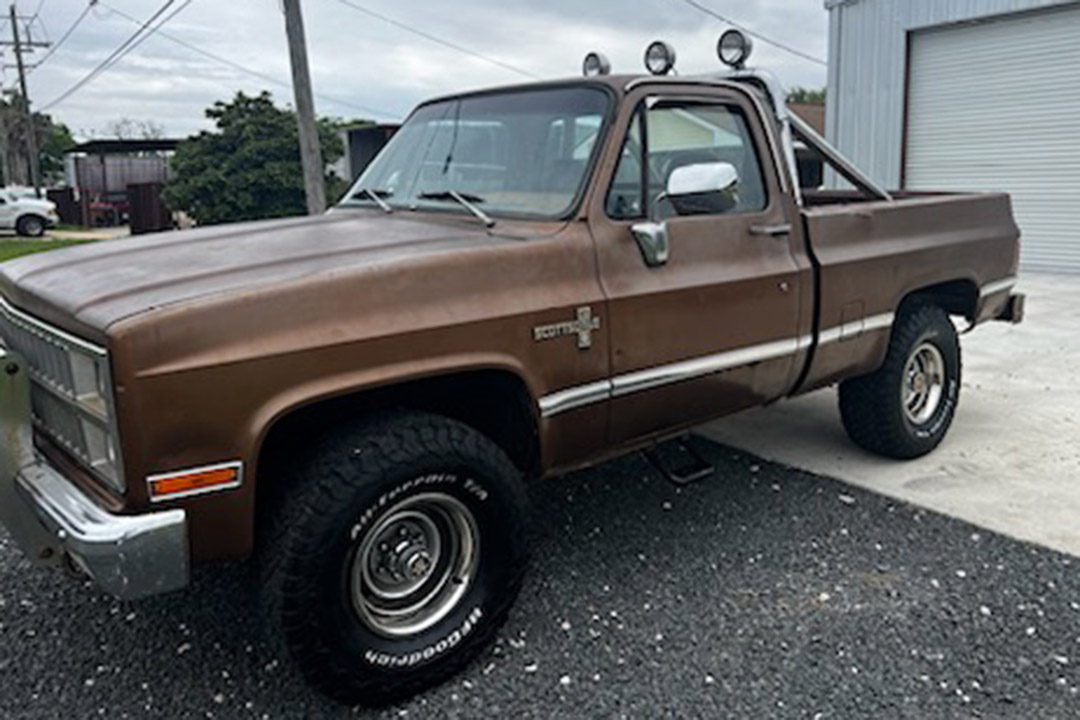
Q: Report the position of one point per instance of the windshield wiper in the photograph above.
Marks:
(465, 200)
(376, 196)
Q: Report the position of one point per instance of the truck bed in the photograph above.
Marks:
(869, 255)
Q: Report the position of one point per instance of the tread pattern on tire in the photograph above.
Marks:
(870, 406)
(370, 451)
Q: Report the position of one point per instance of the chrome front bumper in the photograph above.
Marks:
(130, 556)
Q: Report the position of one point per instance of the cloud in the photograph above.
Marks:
(368, 63)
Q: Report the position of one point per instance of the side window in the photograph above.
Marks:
(626, 197)
(679, 134)
(686, 133)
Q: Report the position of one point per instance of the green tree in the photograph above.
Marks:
(54, 140)
(248, 168)
(806, 96)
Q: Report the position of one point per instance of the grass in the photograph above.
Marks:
(17, 248)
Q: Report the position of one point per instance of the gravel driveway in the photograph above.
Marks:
(763, 592)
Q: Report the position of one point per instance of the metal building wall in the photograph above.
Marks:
(867, 62)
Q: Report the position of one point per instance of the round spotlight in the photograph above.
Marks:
(596, 64)
(660, 58)
(734, 49)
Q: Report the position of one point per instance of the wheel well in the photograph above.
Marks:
(494, 402)
(956, 297)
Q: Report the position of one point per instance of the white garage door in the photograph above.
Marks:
(996, 106)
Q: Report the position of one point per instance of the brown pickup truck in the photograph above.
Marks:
(526, 281)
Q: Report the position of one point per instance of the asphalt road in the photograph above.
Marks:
(762, 592)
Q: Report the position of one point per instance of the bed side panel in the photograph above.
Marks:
(873, 255)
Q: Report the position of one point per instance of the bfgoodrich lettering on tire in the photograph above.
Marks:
(905, 408)
(395, 557)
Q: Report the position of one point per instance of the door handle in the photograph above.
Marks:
(771, 230)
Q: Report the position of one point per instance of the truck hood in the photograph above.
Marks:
(86, 289)
(33, 204)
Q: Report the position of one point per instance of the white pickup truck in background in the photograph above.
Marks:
(27, 216)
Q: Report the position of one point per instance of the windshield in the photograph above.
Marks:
(511, 154)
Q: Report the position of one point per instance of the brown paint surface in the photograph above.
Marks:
(215, 334)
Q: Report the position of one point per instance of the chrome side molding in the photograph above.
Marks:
(642, 380)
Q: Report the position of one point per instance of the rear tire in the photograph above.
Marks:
(30, 226)
(904, 409)
(396, 556)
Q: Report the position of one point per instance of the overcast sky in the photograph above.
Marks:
(374, 65)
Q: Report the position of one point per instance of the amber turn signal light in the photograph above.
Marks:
(172, 486)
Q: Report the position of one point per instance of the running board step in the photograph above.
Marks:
(679, 462)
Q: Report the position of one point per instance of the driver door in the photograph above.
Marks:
(715, 327)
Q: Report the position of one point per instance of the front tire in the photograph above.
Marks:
(30, 226)
(396, 557)
(904, 409)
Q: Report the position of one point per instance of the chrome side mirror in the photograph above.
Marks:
(652, 241)
(704, 188)
(701, 189)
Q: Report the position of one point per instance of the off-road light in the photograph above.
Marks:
(734, 49)
(660, 58)
(596, 64)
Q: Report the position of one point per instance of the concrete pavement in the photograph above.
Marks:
(1011, 462)
(104, 233)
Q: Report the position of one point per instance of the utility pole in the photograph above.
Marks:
(31, 131)
(5, 155)
(310, 152)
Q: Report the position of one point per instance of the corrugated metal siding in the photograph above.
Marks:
(995, 106)
(113, 173)
(867, 62)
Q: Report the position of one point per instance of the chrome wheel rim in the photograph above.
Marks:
(415, 564)
(924, 384)
(33, 227)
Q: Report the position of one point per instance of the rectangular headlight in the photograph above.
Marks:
(72, 398)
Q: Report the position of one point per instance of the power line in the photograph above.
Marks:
(36, 16)
(439, 40)
(254, 73)
(116, 54)
(37, 12)
(147, 34)
(64, 37)
(775, 43)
